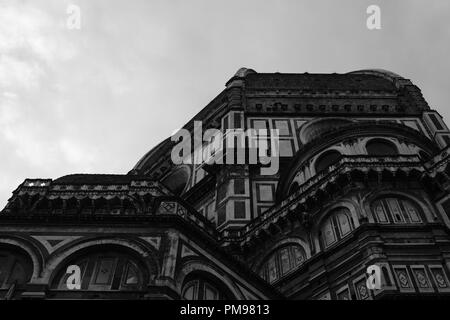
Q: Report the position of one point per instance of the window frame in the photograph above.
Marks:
(276, 256)
(90, 264)
(402, 204)
(200, 285)
(333, 219)
(12, 260)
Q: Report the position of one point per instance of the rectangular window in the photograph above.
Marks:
(239, 186)
(239, 210)
(436, 122)
(283, 127)
(260, 124)
(285, 148)
(265, 192)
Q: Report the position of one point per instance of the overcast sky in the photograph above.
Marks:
(95, 100)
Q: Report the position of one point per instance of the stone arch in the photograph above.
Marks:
(371, 196)
(60, 257)
(396, 79)
(196, 265)
(309, 169)
(312, 129)
(320, 157)
(349, 139)
(347, 204)
(403, 146)
(385, 142)
(178, 180)
(34, 253)
(279, 244)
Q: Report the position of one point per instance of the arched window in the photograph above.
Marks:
(381, 147)
(326, 160)
(336, 226)
(15, 267)
(199, 287)
(177, 180)
(281, 262)
(395, 210)
(105, 271)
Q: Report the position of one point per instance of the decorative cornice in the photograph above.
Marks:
(344, 132)
(308, 193)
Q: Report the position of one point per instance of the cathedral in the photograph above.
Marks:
(362, 180)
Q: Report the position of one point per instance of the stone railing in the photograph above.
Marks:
(147, 198)
(342, 166)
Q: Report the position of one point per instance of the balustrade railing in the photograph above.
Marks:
(344, 164)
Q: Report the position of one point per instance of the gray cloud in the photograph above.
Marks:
(96, 99)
